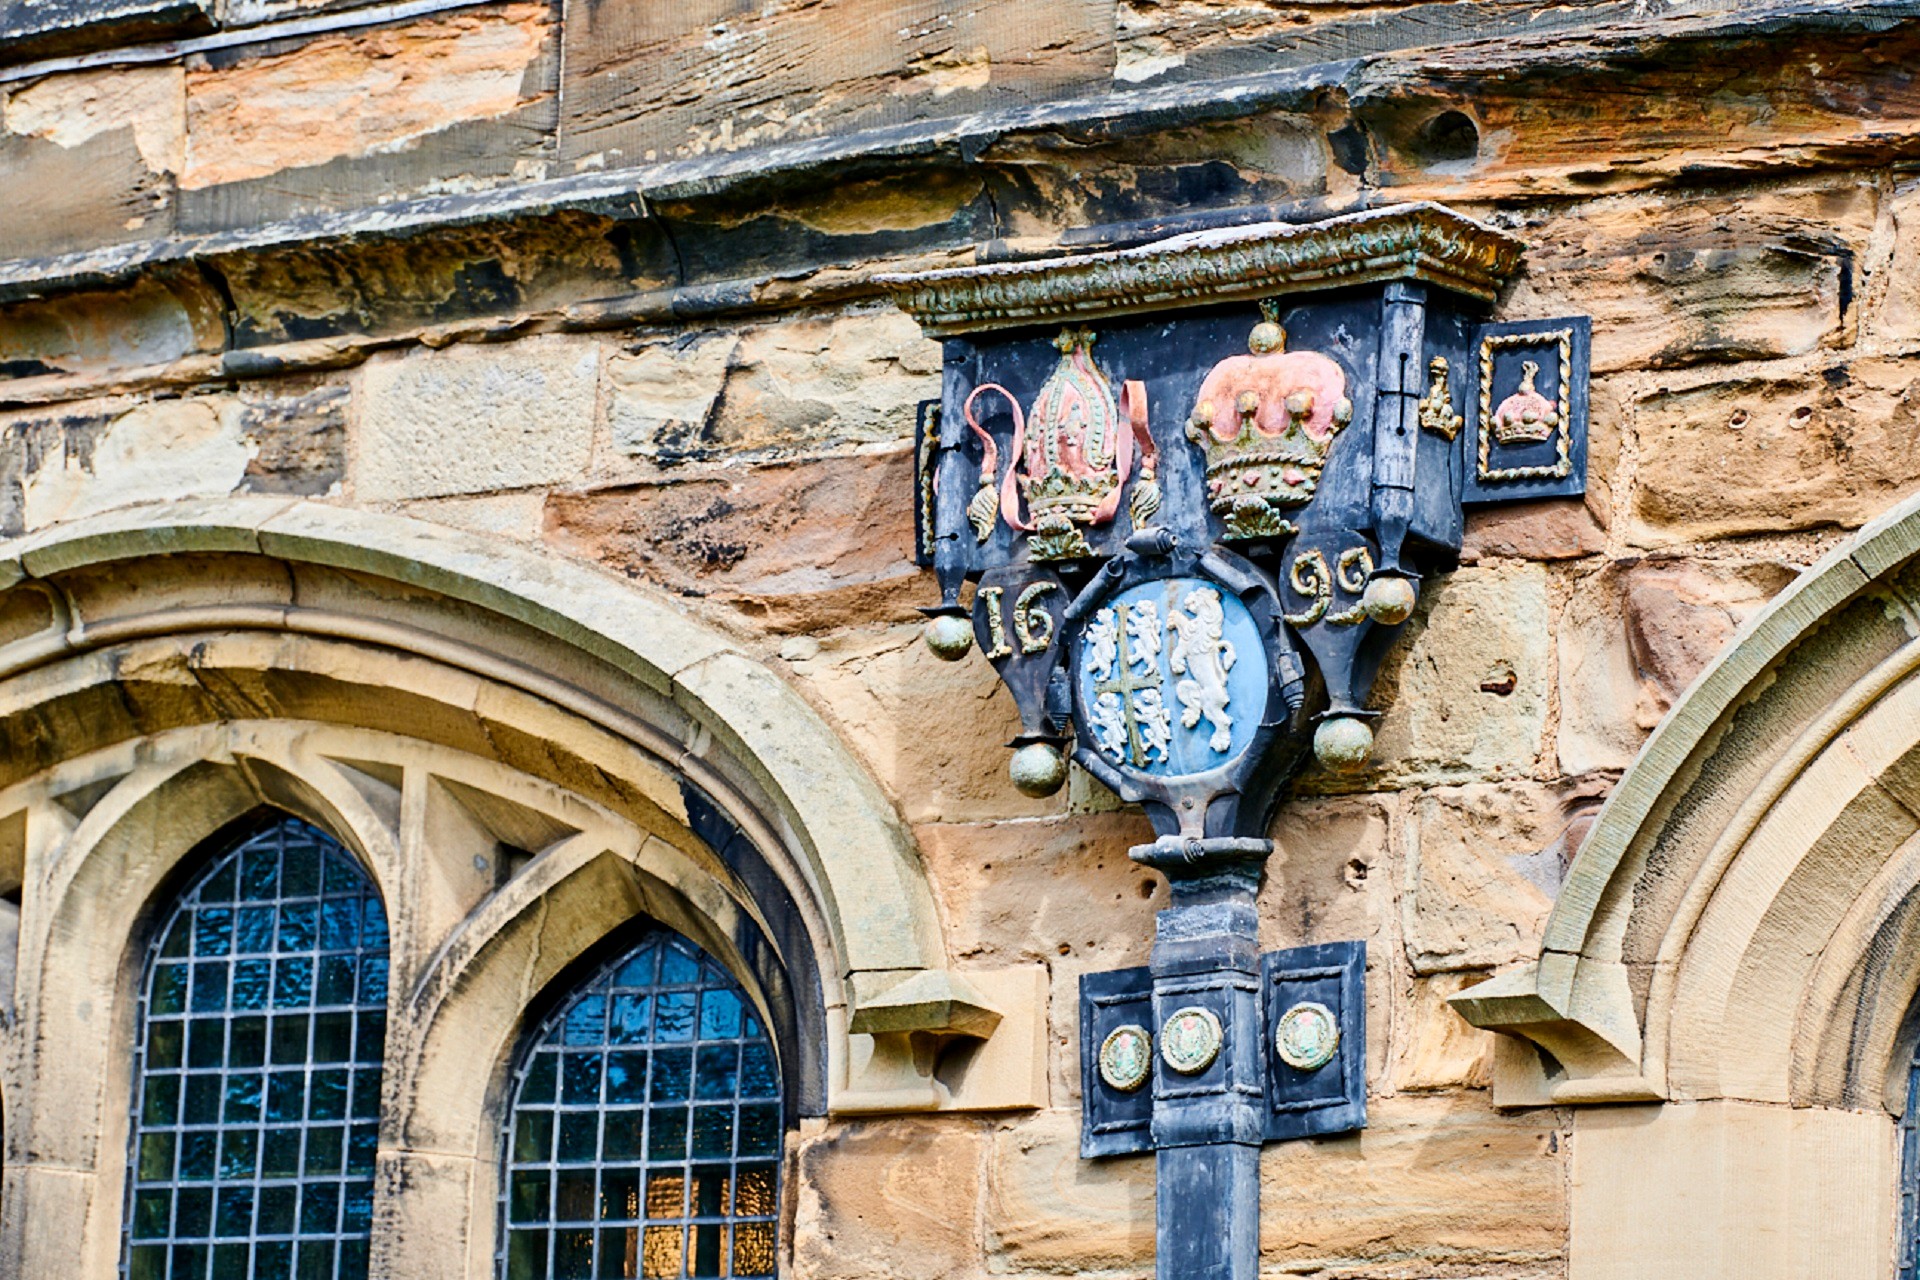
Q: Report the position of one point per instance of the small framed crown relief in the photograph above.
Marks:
(1527, 410)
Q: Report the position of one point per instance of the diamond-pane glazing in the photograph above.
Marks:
(256, 1108)
(644, 1138)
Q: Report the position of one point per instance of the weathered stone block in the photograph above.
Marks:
(802, 547)
(934, 733)
(1898, 317)
(1051, 1212)
(1634, 636)
(1465, 691)
(1431, 1185)
(358, 94)
(1476, 893)
(661, 396)
(1835, 445)
(469, 419)
(896, 1200)
(1434, 1047)
(1556, 529)
(118, 455)
(1728, 1188)
(1034, 890)
(299, 439)
(155, 321)
(643, 83)
(797, 386)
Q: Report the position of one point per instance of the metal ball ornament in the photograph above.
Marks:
(1038, 769)
(949, 636)
(1388, 600)
(1343, 744)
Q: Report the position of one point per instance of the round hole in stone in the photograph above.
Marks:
(1447, 137)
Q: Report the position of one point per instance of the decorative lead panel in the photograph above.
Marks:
(645, 1133)
(262, 1025)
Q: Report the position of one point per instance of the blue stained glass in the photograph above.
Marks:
(213, 931)
(758, 1077)
(252, 981)
(601, 1108)
(338, 916)
(719, 1015)
(628, 1019)
(267, 1151)
(586, 1022)
(678, 965)
(673, 1016)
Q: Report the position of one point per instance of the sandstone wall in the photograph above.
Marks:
(702, 390)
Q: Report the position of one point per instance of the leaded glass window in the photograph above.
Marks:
(262, 1023)
(644, 1136)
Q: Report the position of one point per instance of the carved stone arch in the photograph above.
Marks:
(114, 833)
(1738, 943)
(1741, 921)
(522, 750)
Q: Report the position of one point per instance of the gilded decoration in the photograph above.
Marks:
(1190, 1040)
(1307, 1036)
(1265, 421)
(1416, 242)
(1070, 457)
(1436, 407)
(1126, 1057)
(1526, 416)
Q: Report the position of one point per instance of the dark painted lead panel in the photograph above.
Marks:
(1332, 1099)
(1113, 1122)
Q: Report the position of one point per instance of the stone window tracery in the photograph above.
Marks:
(259, 1054)
(645, 1129)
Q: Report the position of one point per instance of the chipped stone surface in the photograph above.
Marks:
(1689, 279)
(474, 418)
(1473, 896)
(801, 547)
(661, 396)
(150, 102)
(1899, 317)
(1555, 529)
(1834, 445)
(357, 94)
(1465, 691)
(1634, 636)
(299, 439)
(147, 453)
(867, 1189)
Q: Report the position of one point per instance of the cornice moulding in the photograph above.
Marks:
(1423, 242)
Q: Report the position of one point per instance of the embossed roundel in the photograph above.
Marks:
(1172, 677)
(1190, 1040)
(1126, 1057)
(1307, 1037)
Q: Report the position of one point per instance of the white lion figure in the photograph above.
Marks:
(1204, 658)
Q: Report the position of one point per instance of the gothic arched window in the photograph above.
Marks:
(644, 1135)
(256, 1109)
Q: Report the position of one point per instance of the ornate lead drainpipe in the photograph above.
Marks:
(1196, 486)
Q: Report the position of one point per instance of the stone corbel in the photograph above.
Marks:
(937, 1040)
(1578, 1014)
